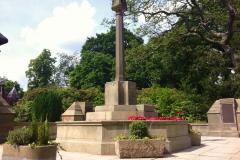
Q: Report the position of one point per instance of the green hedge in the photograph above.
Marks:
(172, 102)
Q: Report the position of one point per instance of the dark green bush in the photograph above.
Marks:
(138, 129)
(47, 105)
(21, 136)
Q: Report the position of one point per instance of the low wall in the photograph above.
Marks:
(200, 127)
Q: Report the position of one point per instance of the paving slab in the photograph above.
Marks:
(212, 148)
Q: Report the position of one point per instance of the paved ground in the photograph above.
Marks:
(212, 148)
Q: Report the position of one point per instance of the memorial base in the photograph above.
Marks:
(98, 137)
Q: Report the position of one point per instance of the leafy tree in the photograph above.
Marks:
(41, 70)
(212, 21)
(65, 66)
(96, 66)
(93, 71)
(105, 42)
(185, 63)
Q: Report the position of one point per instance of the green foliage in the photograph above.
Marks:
(48, 104)
(41, 70)
(71, 95)
(23, 109)
(138, 130)
(8, 86)
(94, 70)
(43, 133)
(97, 59)
(194, 132)
(104, 42)
(20, 136)
(172, 102)
(37, 134)
(34, 127)
(120, 137)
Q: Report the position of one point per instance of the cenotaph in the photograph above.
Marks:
(96, 134)
(120, 95)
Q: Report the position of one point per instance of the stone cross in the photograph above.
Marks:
(119, 6)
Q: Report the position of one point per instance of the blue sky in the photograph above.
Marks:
(59, 25)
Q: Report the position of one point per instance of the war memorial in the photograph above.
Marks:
(91, 129)
(95, 135)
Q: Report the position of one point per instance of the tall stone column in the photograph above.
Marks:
(119, 74)
(120, 95)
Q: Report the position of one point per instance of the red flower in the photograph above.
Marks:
(155, 118)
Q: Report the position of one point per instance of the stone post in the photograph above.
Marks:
(119, 47)
(119, 6)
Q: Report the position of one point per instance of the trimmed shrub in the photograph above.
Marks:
(37, 134)
(138, 130)
(20, 136)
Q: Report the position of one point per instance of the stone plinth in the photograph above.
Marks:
(120, 93)
(223, 118)
(120, 102)
(77, 112)
(121, 112)
(97, 137)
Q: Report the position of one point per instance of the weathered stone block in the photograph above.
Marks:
(139, 148)
(120, 93)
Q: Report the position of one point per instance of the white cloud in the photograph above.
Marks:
(65, 30)
(67, 25)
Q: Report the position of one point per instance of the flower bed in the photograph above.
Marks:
(154, 118)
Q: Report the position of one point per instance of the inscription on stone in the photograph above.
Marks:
(227, 113)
